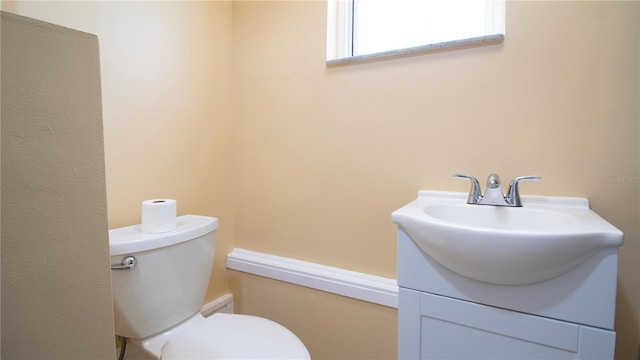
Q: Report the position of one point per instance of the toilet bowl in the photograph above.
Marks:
(157, 299)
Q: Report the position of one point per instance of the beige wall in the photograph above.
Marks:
(55, 256)
(324, 155)
(331, 326)
(320, 157)
(166, 90)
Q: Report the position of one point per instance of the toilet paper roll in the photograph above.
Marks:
(158, 216)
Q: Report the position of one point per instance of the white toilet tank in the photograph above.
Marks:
(169, 281)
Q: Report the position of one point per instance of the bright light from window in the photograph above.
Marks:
(359, 27)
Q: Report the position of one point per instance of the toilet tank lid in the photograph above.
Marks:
(131, 239)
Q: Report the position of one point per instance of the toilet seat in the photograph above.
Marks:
(231, 336)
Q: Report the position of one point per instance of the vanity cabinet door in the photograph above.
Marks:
(437, 327)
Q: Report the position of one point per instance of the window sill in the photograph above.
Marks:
(482, 40)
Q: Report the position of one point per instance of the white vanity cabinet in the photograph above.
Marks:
(438, 327)
(443, 315)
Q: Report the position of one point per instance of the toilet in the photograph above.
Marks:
(159, 284)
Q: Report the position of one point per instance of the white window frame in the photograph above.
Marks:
(342, 18)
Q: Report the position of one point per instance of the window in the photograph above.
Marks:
(363, 28)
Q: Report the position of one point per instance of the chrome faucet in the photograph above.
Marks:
(493, 192)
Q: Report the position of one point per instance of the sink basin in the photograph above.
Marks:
(544, 238)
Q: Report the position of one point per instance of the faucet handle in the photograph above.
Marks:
(513, 194)
(474, 193)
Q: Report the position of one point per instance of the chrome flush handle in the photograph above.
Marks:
(128, 263)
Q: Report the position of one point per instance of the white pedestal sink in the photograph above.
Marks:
(502, 282)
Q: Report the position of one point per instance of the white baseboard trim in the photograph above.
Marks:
(361, 286)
